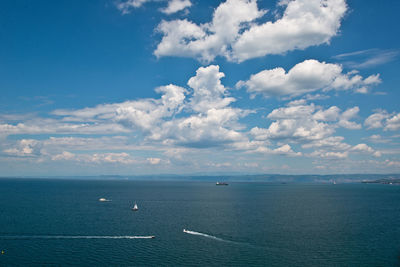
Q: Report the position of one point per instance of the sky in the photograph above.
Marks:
(135, 87)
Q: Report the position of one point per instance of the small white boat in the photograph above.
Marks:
(135, 207)
(102, 199)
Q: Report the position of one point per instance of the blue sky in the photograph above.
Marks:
(184, 86)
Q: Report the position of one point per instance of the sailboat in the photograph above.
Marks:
(135, 207)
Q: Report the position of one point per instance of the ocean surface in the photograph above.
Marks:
(62, 222)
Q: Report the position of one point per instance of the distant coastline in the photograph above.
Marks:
(272, 178)
(395, 181)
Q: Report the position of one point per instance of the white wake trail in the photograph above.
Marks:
(75, 237)
(206, 235)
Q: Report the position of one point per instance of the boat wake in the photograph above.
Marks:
(75, 237)
(208, 236)
(221, 239)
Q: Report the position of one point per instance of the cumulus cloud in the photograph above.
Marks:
(207, 121)
(126, 6)
(311, 126)
(306, 77)
(377, 138)
(303, 24)
(154, 161)
(285, 150)
(364, 148)
(206, 41)
(329, 143)
(330, 154)
(234, 33)
(175, 6)
(123, 158)
(65, 155)
(216, 127)
(375, 120)
(208, 91)
(172, 7)
(25, 148)
(393, 123)
(141, 115)
(346, 116)
(382, 119)
(199, 116)
(305, 122)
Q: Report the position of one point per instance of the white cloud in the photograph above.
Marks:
(198, 117)
(375, 120)
(377, 138)
(25, 148)
(346, 116)
(172, 7)
(294, 129)
(186, 39)
(330, 154)
(65, 155)
(292, 112)
(143, 115)
(333, 147)
(176, 6)
(122, 158)
(312, 127)
(216, 127)
(382, 119)
(147, 114)
(304, 23)
(305, 77)
(329, 143)
(154, 161)
(393, 163)
(180, 119)
(393, 123)
(208, 91)
(362, 148)
(305, 123)
(220, 165)
(330, 114)
(285, 150)
(126, 6)
(367, 58)
(49, 126)
(55, 145)
(234, 34)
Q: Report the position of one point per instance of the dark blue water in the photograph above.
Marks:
(60, 222)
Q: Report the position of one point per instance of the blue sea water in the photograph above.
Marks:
(61, 222)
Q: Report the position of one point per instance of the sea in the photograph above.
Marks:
(56, 222)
